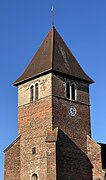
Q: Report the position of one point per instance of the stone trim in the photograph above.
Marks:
(52, 136)
(93, 141)
(77, 102)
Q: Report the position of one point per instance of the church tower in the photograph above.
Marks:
(53, 117)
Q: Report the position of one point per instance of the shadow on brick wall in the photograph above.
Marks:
(72, 162)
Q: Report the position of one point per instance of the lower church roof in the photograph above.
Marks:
(12, 144)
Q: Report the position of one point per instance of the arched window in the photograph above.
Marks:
(36, 91)
(32, 93)
(34, 177)
(71, 91)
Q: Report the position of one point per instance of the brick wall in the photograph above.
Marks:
(51, 161)
(51, 144)
(35, 122)
(72, 162)
(94, 154)
(76, 127)
(12, 162)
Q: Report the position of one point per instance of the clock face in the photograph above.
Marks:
(73, 111)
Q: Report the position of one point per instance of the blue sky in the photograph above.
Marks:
(23, 26)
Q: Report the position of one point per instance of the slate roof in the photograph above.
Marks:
(53, 55)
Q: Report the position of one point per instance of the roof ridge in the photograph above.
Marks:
(52, 44)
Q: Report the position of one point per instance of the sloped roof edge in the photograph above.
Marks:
(12, 144)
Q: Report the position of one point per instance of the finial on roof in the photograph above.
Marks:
(52, 15)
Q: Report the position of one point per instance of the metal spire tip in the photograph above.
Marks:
(52, 15)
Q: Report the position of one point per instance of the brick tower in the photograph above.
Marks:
(53, 118)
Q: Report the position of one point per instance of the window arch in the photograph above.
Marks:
(34, 177)
(36, 91)
(32, 93)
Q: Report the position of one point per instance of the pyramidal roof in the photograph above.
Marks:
(53, 55)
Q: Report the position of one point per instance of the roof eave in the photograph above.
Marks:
(16, 83)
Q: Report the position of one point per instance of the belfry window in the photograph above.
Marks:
(71, 91)
(32, 93)
(34, 177)
(36, 91)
